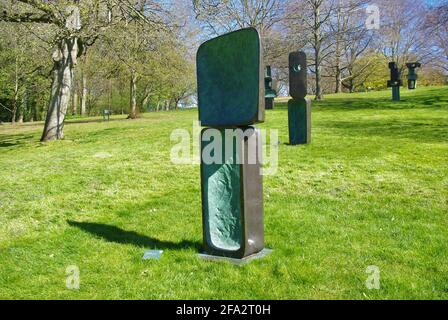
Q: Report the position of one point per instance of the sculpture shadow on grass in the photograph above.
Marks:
(15, 140)
(117, 235)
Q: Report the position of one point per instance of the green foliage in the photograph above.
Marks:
(374, 72)
(23, 73)
(428, 76)
(165, 73)
(118, 39)
(371, 189)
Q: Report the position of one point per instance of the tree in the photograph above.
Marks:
(267, 16)
(183, 82)
(402, 34)
(78, 24)
(21, 60)
(350, 40)
(137, 50)
(369, 71)
(225, 16)
(218, 17)
(312, 19)
(437, 25)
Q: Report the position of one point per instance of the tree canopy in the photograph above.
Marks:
(78, 58)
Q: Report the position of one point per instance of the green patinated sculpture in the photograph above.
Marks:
(270, 86)
(412, 75)
(231, 96)
(106, 114)
(299, 108)
(229, 72)
(299, 121)
(232, 198)
(395, 81)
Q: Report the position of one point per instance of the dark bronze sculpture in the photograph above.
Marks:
(231, 96)
(412, 75)
(395, 81)
(230, 80)
(270, 86)
(299, 108)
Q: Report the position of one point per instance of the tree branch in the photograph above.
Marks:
(26, 17)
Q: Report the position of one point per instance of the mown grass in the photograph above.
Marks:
(371, 189)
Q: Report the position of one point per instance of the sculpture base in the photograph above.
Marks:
(232, 192)
(396, 93)
(269, 103)
(263, 253)
(299, 121)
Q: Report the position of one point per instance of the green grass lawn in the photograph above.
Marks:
(371, 189)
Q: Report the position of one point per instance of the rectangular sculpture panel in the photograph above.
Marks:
(299, 108)
(270, 87)
(231, 98)
(299, 121)
(232, 193)
(297, 75)
(231, 80)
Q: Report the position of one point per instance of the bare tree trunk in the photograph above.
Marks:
(74, 96)
(75, 103)
(110, 94)
(14, 110)
(84, 95)
(338, 50)
(338, 62)
(16, 93)
(318, 79)
(338, 81)
(145, 101)
(64, 60)
(351, 86)
(133, 95)
(33, 112)
(317, 51)
(23, 106)
(176, 103)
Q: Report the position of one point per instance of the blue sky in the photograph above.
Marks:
(434, 2)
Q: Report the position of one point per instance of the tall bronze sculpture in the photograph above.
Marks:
(299, 108)
(412, 75)
(395, 81)
(270, 86)
(231, 100)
